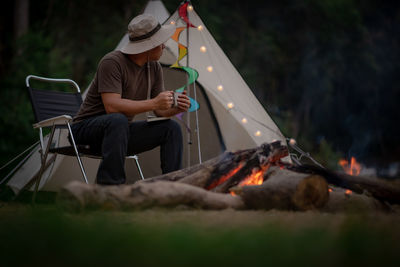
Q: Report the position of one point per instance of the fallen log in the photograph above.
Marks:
(378, 188)
(341, 200)
(285, 190)
(205, 186)
(78, 196)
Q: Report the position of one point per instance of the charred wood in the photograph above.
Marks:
(340, 200)
(265, 156)
(378, 188)
(208, 174)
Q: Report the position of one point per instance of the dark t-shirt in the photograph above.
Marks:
(116, 73)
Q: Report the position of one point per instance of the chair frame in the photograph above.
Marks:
(59, 121)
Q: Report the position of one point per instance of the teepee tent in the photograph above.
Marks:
(225, 114)
(229, 115)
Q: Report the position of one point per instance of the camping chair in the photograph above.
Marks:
(55, 109)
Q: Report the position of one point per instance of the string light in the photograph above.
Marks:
(200, 27)
(230, 105)
(203, 49)
(172, 22)
(190, 8)
(210, 68)
(244, 120)
(220, 88)
(258, 133)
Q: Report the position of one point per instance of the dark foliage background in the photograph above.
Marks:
(327, 71)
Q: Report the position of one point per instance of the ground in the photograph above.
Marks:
(45, 235)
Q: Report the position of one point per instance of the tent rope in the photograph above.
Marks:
(19, 155)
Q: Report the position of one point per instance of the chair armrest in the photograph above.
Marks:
(59, 120)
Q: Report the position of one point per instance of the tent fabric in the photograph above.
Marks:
(221, 127)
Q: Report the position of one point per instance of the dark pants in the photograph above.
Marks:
(114, 137)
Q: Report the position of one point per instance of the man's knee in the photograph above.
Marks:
(174, 127)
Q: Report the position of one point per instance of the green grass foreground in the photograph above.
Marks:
(44, 235)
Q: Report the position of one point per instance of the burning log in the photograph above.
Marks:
(79, 196)
(286, 190)
(378, 188)
(342, 200)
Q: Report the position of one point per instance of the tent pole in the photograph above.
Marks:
(189, 134)
(197, 124)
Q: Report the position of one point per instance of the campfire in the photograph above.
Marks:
(352, 167)
(258, 178)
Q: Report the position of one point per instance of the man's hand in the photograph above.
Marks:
(183, 102)
(164, 100)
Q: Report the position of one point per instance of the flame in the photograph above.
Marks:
(330, 190)
(225, 177)
(353, 168)
(348, 192)
(256, 178)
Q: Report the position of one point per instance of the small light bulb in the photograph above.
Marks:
(172, 22)
(200, 27)
(220, 88)
(244, 120)
(292, 141)
(230, 105)
(203, 49)
(258, 133)
(210, 68)
(190, 7)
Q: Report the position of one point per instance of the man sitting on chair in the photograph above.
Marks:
(129, 82)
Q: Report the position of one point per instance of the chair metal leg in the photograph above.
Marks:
(43, 160)
(136, 158)
(77, 154)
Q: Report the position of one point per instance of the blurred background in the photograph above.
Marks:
(327, 71)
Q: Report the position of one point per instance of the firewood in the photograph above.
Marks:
(78, 196)
(342, 200)
(265, 155)
(378, 188)
(285, 190)
(208, 174)
(199, 175)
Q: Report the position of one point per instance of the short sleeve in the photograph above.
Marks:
(109, 77)
(158, 85)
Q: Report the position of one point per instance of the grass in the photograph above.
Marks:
(44, 235)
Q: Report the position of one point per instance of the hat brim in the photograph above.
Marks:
(160, 37)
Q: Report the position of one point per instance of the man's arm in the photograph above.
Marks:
(113, 103)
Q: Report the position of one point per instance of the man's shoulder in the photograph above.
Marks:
(115, 55)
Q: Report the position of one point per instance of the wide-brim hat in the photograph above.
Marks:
(145, 33)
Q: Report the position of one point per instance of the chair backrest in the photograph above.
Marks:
(47, 104)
